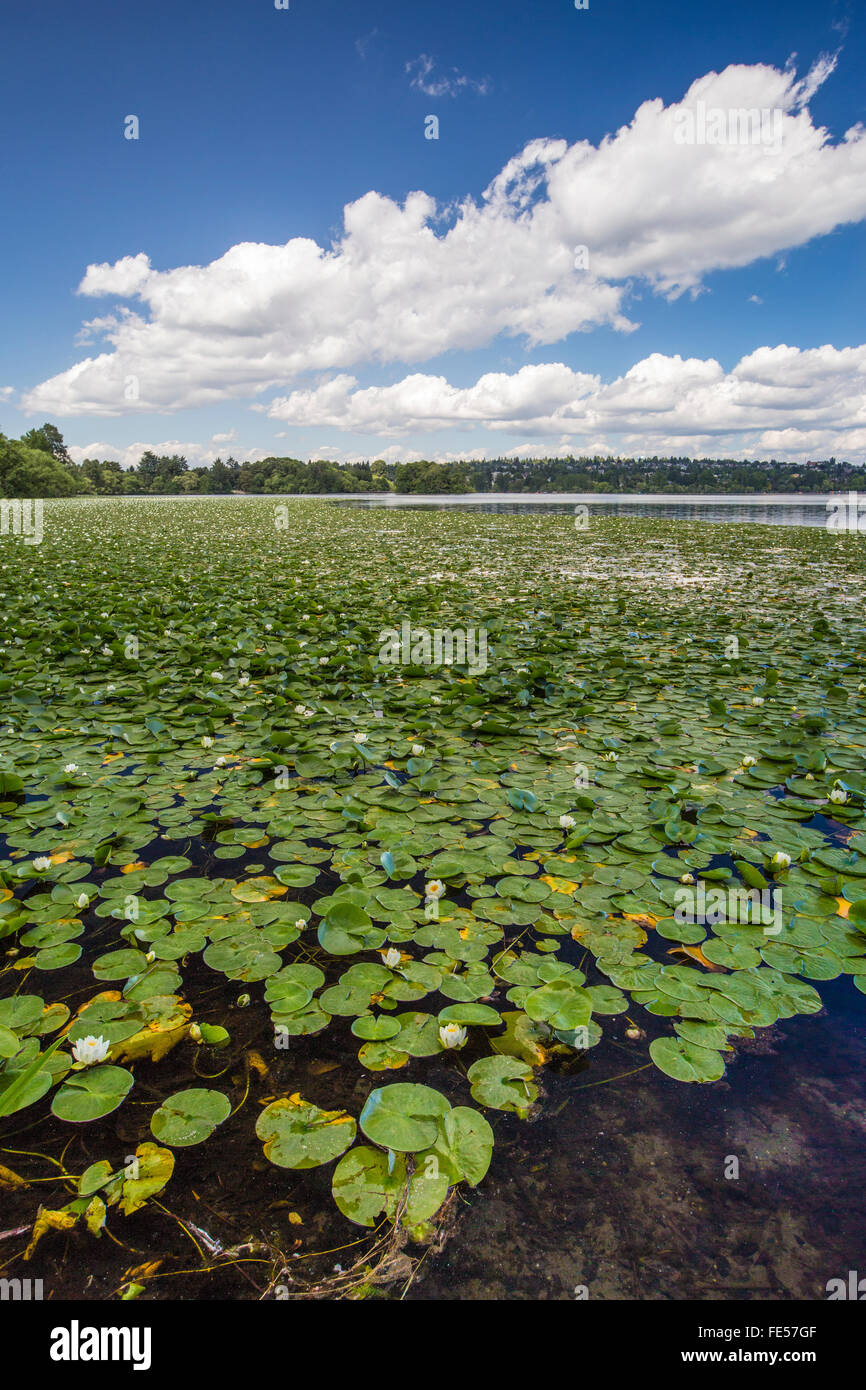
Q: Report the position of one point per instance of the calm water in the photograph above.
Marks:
(769, 509)
(627, 1189)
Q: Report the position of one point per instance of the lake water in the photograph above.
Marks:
(768, 509)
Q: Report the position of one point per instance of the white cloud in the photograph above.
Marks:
(408, 282)
(446, 84)
(127, 455)
(125, 278)
(780, 400)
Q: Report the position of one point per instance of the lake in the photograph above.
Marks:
(769, 509)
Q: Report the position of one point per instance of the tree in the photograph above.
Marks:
(29, 472)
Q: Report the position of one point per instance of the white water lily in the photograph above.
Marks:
(452, 1035)
(90, 1050)
(838, 796)
(71, 767)
(217, 676)
(687, 878)
(435, 700)
(780, 860)
(207, 741)
(300, 709)
(391, 957)
(244, 679)
(300, 923)
(610, 757)
(757, 699)
(82, 900)
(435, 888)
(567, 822)
(359, 738)
(749, 761)
(41, 863)
(417, 750)
(323, 660)
(221, 761)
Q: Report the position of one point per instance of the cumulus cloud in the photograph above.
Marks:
(127, 455)
(546, 251)
(781, 400)
(448, 84)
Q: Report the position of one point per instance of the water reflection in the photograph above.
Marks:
(777, 509)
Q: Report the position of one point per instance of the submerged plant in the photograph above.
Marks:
(401, 858)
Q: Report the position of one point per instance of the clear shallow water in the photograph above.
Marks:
(768, 509)
(621, 1188)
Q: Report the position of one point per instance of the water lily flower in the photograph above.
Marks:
(359, 738)
(195, 1033)
(417, 750)
(217, 676)
(71, 767)
(687, 878)
(749, 761)
(610, 757)
(435, 888)
(633, 1033)
(452, 1035)
(838, 796)
(82, 900)
(207, 741)
(300, 709)
(221, 761)
(757, 699)
(308, 713)
(435, 700)
(41, 863)
(244, 679)
(567, 822)
(300, 923)
(780, 860)
(391, 957)
(90, 1050)
(323, 661)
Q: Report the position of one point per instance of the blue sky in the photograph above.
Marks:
(720, 309)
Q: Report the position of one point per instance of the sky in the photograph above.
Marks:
(435, 230)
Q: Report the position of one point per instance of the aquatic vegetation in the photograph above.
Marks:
(645, 814)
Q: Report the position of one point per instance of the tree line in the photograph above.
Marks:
(39, 465)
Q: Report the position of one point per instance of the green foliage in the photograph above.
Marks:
(229, 813)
